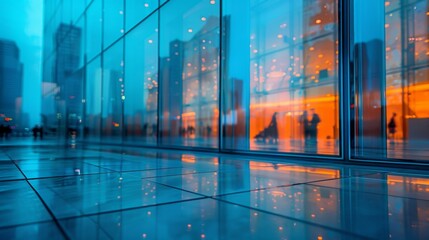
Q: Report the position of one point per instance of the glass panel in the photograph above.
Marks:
(189, 73)
(391, 116)
(68, 39)
(81, 54)
(113, 22)
(113, 93)
(141, 69)
(136, 10)
(280, 76)
(78, 7)
(92, 101)
(94, 20)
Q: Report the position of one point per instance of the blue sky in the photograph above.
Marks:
(22, 22)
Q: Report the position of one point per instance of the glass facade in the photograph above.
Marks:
(341, 79)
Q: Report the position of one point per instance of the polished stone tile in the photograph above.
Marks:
(44, 230)
(409, 186)
(57, 168)
(91, 194)
(371, 215)
(246, 177)
(126, 164)
(37, 153)
(8, 171)
(20, 205)
(163, 172)
(135, 193)
(198, 219)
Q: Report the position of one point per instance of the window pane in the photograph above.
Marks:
(136, 10)
(189, 73)
(141, 69)
(113, 21)
(391, 84)
(280, 77)
(113, 92)
(93, 38)
(92, 101)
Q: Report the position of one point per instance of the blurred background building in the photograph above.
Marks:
(11, 79)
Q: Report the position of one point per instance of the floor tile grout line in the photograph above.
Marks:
(177, 175)
(252, 190)
(13, 180)
(373, 193)
(130, 171)
(63, 232)
(294, 219)
(132, 208)
(26, 224)
(17, 166)
(177, 188)
(91, 174)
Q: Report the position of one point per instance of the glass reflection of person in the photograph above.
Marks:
(305, 125)
(392, 126)
(273, 129)
(315, 120)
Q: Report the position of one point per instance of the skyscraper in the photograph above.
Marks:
(68, 79)
(11, 70)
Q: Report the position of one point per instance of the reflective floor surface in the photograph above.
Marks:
(111, 193)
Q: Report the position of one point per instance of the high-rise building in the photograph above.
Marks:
(67, 77)
(11, 77)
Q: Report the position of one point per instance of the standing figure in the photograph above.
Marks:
(154, 129)
(305, 125)
(315, 120)
(273, 131)
(209, 131)
(144, 130)
(392, 127)
(35, 130)
(8, 131)
(2, 131)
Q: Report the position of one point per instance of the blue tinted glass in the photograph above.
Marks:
(141, 77)
(113, 89)
(189, 76)
(280, 76)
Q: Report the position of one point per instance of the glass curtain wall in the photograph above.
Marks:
(264, 76)
(280, 88)
(390, 113)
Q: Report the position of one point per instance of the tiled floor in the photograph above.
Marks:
(60, 193)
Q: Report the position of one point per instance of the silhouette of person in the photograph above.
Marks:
(41, 132)
(8, 130)
(144, 130)
(35, 130)
(305, 125)
(315, 120)
(2, 131)
(154, 129)
(392, 126)
(209, 130)
(273, 129)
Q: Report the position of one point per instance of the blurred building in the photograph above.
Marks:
(67, 77)
(11, 80)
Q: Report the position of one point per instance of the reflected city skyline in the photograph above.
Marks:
(253, 80)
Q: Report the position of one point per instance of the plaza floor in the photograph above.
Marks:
(93, 192)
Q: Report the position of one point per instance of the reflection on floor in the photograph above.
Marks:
(113, 193)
